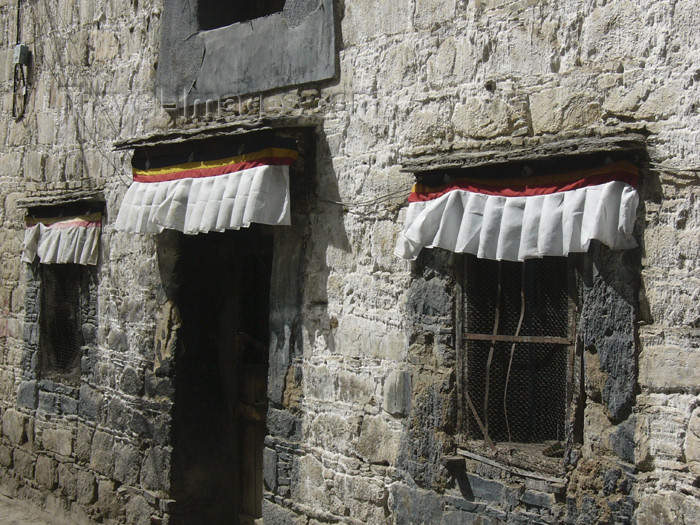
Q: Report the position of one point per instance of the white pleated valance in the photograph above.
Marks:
(74, 240)
(216, 203)
(514, 220)
(209, 191)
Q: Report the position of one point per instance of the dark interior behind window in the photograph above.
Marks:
(527, 305)
(213, 14)
(60, 332)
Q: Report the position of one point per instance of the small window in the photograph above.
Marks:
(60, 324)
(517, 324)
(214, 14)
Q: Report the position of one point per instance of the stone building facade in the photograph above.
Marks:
(359, 354)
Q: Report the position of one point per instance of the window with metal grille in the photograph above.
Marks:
(518, 329)
(60, 327)
(213, 14)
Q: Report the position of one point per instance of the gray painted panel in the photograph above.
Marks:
(294, 47)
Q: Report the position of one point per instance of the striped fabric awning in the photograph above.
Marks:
(524, 218)
(210, 191)
(61, 240)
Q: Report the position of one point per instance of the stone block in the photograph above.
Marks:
(427, 127)
(333, 431)
(77, 49)
(155, 471)
(622, 440)
(141, 425)
(607, 327)
(667, 507)
(89, 403)
(692, 443)
(398, 393)
(58, 440)
(371, 338)
(11, 165)
(27, 394)
(117, 340)
(368, 19)
(669, 367)
(126, 463)
(68, 405)
(378, 443)
(34, 164)
(7, 379)
(273, 514)
(14, 426)
(87, 11)
(138, 511)
(20, 133)
(68, 481)
(537, 499)
(460, 517)
(432, 13)
(107, 499)
(118, 414)
(23, 464)
(49, 403)
(54, 168)
(486, 489)
(270, 469)
(283, 424)
(355, 388)
(414, 505)
(102, 455)
(83, 443)
(483, 118)
(130, 382)
(557, 109)
(6, 456)
(106, 44)
(45, 472)
(45, 128)
(86, 487)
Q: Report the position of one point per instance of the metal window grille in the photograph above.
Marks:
(517, 320)
(60, 332)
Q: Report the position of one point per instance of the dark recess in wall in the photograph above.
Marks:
(213, 14)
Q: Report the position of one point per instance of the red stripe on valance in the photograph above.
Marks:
(527, 187)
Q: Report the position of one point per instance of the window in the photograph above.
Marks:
(60, 318)
(517, 324)
(213, 14)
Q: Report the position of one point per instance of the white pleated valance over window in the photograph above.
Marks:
(209, 193)
(65, 240)
(518, 219)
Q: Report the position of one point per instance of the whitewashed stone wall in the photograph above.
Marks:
(416, 76)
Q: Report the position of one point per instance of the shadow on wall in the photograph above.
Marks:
(299, 307)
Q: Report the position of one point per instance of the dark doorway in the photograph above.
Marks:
(223, 290)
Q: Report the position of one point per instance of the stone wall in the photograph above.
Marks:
(362, 405)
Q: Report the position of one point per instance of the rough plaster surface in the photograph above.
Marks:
(416, 76)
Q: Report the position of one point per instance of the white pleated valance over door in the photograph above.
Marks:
(65, 240)
(518, 219)
(211, 193)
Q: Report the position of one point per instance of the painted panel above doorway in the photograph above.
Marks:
(261, 49)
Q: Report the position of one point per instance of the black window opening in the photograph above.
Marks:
(517, 335)
(213, 14)
(60, 318)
